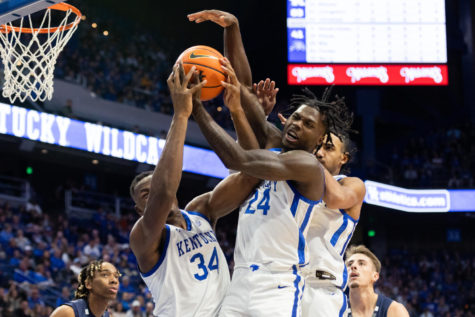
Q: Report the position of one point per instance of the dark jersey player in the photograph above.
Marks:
(364, 268)
(98, 286)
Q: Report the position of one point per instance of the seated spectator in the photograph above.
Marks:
(34, 298)
(135, 310)
(22, 273)
(65, 296)
(57, 263)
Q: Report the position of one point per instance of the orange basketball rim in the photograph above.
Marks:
(58, 7)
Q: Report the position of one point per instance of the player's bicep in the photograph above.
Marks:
(355, 190)
(63, 311)
(344, 194)
(141, 242)
(229, 194)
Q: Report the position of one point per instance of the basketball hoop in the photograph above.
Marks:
(29, 53)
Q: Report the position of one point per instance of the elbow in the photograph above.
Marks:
(234, 162)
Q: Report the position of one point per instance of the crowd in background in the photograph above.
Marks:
(442, 158)
(41, 255)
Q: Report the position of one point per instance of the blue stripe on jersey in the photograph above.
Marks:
(296, 296)
(300, 196)
(340, 230)
(343, 307)
(295, 204)
(301, 248)
(200, 215)
(345, 214)
(304, 224)
(187, 220)
(348, 240)
(345, 278)
(162, 255)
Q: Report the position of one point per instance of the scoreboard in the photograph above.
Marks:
(367, 42)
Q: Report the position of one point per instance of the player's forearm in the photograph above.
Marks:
(255, 115)
(235, 52)
(167, 174)
(220, 141)
(245, 135)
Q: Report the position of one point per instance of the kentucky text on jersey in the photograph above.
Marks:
(195, 242)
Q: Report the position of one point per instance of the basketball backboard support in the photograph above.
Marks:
(11, 10)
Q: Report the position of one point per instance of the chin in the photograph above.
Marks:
(354, 285)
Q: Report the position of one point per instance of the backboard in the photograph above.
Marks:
(11, 10)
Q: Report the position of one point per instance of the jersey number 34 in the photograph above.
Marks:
(212, 265)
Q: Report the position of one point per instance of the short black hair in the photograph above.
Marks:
(136, 180)
(349, 148)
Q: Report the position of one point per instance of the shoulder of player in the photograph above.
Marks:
(202, 214)
(397, 310)
(302, 156)
(63, 311)
(353, 182)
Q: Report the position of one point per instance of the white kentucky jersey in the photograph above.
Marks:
(191, 276)
(272, 227)
(328, 236)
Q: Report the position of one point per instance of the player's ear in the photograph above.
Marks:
(345, 158)
(138, 210)
(88, 283)
(375, 277)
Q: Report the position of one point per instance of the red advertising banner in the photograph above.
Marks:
(372, 74)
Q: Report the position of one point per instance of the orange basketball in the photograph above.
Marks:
(206, 61)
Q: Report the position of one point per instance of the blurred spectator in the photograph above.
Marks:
(135, 310)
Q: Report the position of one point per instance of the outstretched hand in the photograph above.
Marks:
(222, 18)
(232, 92)
(266, 94)
(180, 93)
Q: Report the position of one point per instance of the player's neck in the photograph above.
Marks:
(97, 305)
(363, 300)
(177, 220)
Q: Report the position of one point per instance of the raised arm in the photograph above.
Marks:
(148, 231)
(234, 189)
(233, 46)
(232, 99)
(234, 50)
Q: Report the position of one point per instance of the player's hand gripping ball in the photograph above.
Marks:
(206, 60)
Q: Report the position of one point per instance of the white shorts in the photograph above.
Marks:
(259, 292)
(324, 300)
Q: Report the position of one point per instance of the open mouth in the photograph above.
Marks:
(354, 275)
(291, 136)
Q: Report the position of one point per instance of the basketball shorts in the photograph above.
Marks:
(257, 291)
(323, 300)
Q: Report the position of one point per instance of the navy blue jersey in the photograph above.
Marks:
(381, 308)
(81, 308)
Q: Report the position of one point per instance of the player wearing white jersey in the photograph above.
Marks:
(177, 252)
(331, 230)
(265, 241)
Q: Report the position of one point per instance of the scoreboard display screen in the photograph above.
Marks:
(366, 42)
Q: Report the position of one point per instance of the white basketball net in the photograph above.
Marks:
(29, 58)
